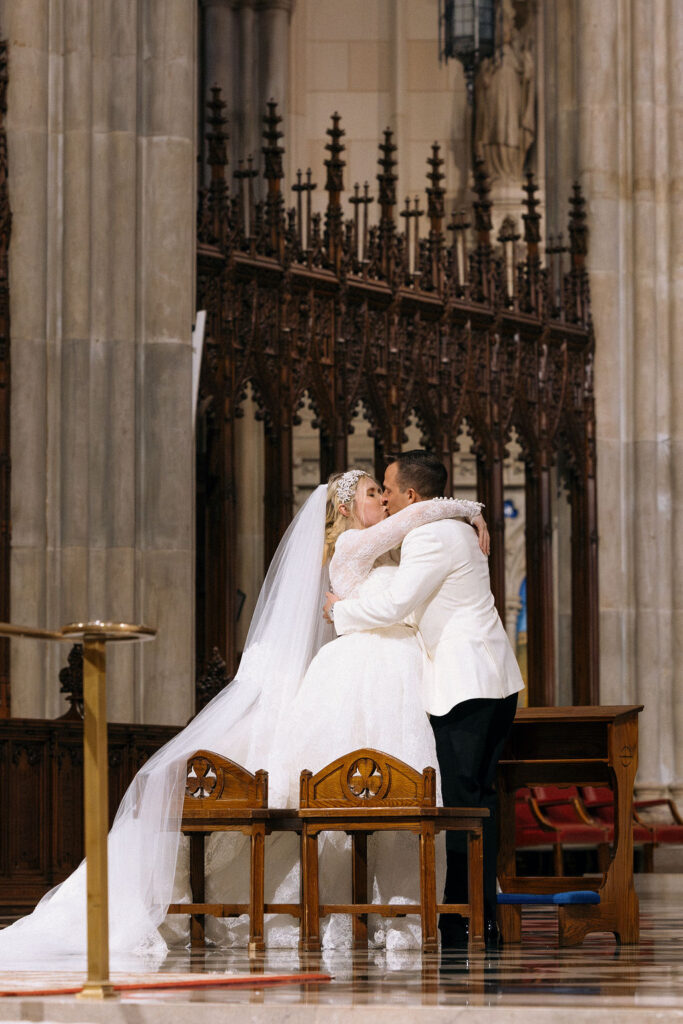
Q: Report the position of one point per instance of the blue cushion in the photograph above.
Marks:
(551, 898)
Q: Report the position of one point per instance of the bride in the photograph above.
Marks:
(296, 702)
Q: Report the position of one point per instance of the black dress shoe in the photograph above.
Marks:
(455, 931)
(492, 935)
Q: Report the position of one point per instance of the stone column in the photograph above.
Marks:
(672, 226)
(251, 104)
(617, 118)
(274, 16)
(101, 130)
(559, 114)
(221, 48)
(273, 20)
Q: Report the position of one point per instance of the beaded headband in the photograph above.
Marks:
(347, 484)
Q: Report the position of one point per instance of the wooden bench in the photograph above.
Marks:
(221, 796)
(368, 791)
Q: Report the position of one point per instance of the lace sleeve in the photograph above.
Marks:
(357, 550)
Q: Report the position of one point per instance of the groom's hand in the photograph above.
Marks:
(482, 529)
(331, 599)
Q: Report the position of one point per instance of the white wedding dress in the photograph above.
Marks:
(289, 708)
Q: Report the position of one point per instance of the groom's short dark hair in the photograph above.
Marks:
(422, 471)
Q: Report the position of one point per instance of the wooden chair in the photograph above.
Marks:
(368, 791)
(561, 808)
(221, 796)
(665, 833)
(599, 801)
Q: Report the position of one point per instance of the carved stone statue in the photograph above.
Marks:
(504, 96)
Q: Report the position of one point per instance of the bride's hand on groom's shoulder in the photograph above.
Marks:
(331, 599)
(482, 529)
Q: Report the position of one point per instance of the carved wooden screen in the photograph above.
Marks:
(446, 327)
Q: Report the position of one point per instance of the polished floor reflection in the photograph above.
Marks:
(597, 976)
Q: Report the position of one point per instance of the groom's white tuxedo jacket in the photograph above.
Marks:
(442, 586)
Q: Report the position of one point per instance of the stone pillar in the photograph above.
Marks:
(616, 116)
(101, 133)
(558, 85)
(672, 378)
(251, 104)
(274, 16)
(221, 47)
(272, 76)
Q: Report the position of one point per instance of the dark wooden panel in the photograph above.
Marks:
(4, 800)
(556, 741)
(28, 804)
(67, 799)
(41, 799)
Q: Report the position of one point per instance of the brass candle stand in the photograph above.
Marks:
(94, 636)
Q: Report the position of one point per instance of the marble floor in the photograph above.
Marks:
(536, 981)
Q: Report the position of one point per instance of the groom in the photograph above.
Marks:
(471, 680)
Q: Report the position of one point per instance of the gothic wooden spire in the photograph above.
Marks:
(334, 187)
(217, 159)
(272, 150)
(482, 204)
(387, 201)
(579, 295)
(387, 178)
(531, 218)
(578, 229)
(436, 213)
(217, 137)
(436, 191)
(273, 173)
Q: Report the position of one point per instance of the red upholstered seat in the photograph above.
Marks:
(599, 800)
(561, 807)
(665, 832)
(529, 831)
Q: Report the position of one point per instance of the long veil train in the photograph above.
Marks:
(286, 632)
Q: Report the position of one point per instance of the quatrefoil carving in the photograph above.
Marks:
(201, 778)
(365, 778)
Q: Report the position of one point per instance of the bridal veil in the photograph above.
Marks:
(286, 631)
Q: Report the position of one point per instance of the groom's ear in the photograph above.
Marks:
(412, 495)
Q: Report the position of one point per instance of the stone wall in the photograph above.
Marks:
(377, 64)
(101, 134)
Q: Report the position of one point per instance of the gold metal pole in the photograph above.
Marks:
(96, 805)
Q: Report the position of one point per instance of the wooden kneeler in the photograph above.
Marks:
(510, 912)
(368, 791)
(222, 796)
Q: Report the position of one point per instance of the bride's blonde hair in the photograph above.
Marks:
(335, 522)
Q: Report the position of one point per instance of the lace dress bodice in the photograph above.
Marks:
(357, 551)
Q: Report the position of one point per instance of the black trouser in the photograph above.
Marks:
(469, 741)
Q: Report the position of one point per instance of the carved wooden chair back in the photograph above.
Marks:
(215, 784)
(368, 778)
